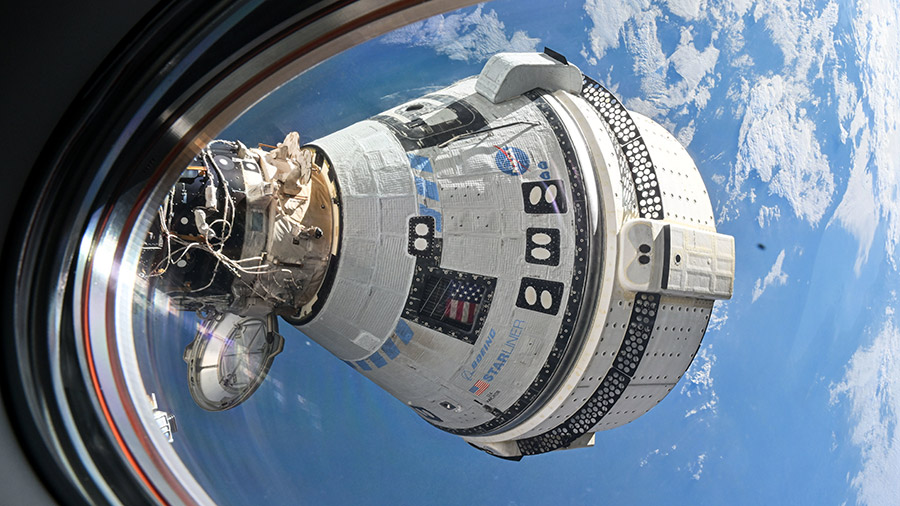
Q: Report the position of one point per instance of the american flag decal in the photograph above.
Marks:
(479, 387)
(462, 302)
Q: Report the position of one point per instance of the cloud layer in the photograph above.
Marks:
(697, 383)
(778, 140)
(872, 196)
(871, 385)
(472, 37)
(775, 277)
(608, 21)
(778, 143)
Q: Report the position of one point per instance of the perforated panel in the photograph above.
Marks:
(629, 196)
(614, 328)
(634, 402)
(683, 192)
(677, 333)
(640, 324)
(596, 408)
(641, 171)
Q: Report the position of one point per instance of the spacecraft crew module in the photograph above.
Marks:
(517, 257)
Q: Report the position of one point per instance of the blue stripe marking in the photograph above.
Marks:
(390, 349)
(351, 364)
(431, 190)
(420, 163)
(427, 211)
(378, 360)
(427, 188)
(363, 365)
(404, 332)
(420, 185)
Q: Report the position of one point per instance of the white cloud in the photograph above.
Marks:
(698, 383)
(662, 97)
(646, 51)
(686, 133)
(768, 214)
(806, 40)
(873, 192)
(775, 277)
(858, 120)
(719, 316)
(398, 97)
(743, 61)
(690, 63)
(584, 54)
(858, 210)
(657, 453)
(804, 36)
(687, 9)
(475, 36)
(608, 22)
(777, 141)
(696, 468)
(729, 18)
(738, 94)
(871, 385)
(314, 414)
(846, 94)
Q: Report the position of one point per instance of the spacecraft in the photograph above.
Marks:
(517, 257)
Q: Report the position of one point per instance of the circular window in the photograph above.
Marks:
(278, 254)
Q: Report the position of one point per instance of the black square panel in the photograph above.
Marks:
(421, 236)
(544, 197)
(540, 295)
(542, 246)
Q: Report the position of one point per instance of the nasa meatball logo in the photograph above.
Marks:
(512, 161)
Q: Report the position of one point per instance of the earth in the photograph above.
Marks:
(790, 111)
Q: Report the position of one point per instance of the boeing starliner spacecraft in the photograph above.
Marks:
(517, 257)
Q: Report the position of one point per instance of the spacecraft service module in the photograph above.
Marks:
(517, 257)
